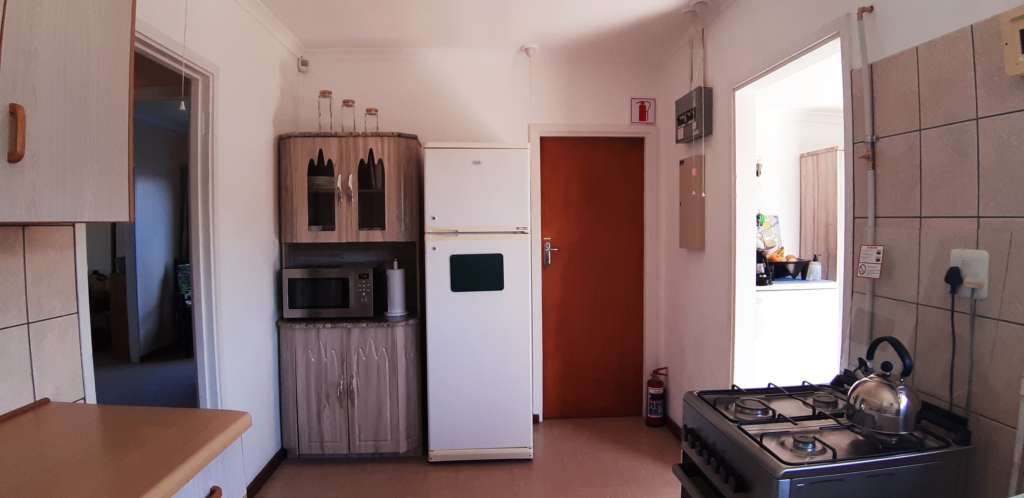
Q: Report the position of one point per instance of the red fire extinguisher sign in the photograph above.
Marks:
(641, 111)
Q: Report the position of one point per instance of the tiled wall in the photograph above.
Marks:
(40, 354)
(950, 174)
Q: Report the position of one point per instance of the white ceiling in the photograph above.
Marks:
(329, 24)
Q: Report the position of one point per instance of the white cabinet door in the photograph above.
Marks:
(477, 189)
(479, 365)
(68, 65)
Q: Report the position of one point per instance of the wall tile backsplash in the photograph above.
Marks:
(965, 189)
(40, 354)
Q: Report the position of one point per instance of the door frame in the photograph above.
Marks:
(843, 29)
(150, 42)
(652, 279)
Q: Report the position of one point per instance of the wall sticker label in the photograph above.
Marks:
(869, 265)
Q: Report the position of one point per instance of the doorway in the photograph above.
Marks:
(790, 230)
(592, 205)
(140, 273)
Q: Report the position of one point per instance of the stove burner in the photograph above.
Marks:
(804, 445)
(803, 442)
(752, 408)
(825, 401)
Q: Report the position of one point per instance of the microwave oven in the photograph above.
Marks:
(327, 292)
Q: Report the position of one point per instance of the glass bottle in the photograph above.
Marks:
(348, 106)
(325, 111)
(372, 116)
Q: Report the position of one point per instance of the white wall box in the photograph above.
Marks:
(68, 155)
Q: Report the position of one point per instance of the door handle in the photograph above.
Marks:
(549, 251)
(16, 146)
(351, 189)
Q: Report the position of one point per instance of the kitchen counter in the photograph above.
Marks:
(789, 284)
(70, 449)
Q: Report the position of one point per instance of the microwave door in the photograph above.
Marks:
(479, 333)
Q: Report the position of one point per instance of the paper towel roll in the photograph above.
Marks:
(396, 292)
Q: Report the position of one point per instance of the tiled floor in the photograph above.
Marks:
(593, 458)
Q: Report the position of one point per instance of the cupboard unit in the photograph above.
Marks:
(65, 79)
(350, 388)
(350, 187)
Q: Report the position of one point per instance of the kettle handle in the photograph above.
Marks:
(901, 351)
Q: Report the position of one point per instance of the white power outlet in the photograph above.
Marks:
(973, 264)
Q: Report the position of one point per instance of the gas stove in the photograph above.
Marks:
(790, 442)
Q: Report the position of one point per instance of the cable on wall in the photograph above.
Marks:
(184, 48)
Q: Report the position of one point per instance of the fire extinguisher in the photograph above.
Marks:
(642, 112)
(656, 398)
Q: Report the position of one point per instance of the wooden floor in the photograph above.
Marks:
(593, 458)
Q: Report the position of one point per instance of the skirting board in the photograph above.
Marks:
(257, 482)
(480, 454)
(673, 427)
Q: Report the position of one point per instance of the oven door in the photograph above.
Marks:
(327, 293)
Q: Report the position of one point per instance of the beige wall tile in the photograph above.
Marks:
(931, 374)
(896, 94)
(998, 92)
(1004, 241)
(894, 318)
(15, 369)
(1001, 147)
(898, 175)
(50, 271)
(938, 237)
(57, 359)
(900, 236)
(998, 366)
(989, 468)
(12, 277)
(949, 170)
(947, 79)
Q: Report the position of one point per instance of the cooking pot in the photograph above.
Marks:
(879, 402)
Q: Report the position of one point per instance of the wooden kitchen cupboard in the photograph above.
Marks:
(350, 187)
(350, 388)
(65, 81)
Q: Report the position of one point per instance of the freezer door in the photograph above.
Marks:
(485, 190)
(479, 365)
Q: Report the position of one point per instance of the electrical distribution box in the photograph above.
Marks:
(1013, 41)
(693, 115)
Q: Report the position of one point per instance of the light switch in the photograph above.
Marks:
(973, 265)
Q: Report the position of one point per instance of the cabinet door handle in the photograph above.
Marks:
(16, 147)
(341, 389)
(351, 189)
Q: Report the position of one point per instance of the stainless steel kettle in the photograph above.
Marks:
(878, 402)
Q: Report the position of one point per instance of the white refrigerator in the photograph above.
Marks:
(479, 328)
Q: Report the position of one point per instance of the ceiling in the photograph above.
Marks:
(332, 24)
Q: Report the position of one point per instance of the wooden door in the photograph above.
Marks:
(68, 65)
(592, 210)
(819, 207)
(322, 391)
(374, 416)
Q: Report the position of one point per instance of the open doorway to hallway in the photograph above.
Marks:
(140, 273)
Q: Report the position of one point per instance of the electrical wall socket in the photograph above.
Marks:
(973, 264)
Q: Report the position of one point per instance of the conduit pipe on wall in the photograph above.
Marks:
(869, 155)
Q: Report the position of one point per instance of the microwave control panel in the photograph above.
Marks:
(364, 287)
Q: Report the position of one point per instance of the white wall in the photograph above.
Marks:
(486, 95)
(697, 305)
(254, 92)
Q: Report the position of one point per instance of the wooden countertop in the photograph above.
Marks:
(70, 449)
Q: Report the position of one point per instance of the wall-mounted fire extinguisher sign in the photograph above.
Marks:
(655, 416)
(641, 110)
